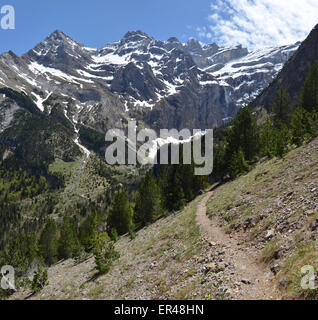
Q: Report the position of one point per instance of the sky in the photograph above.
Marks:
(252, 23)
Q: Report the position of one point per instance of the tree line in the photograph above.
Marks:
(249, 138)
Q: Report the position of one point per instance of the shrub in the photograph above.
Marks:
(40, 280)
(104, 253)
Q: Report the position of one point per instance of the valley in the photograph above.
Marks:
(188, 256)
(75, 227)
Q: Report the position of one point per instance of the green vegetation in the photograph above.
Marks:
(306, 254)
(48, 243)
(121, 214)
(290, 123)
(104, 253)
(68, 244)
(270, 250)
(47, 228)
(40, 280)
(309, 95)
(148, 201)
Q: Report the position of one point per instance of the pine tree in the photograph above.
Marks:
(282, 140)
(48, 243)
(301, 126)
(244, 134)
(267, 139)
(186, 172)
(309, 95)
(68, 243)
(281, 108)
(40, 280)
(88, 231)
(121, 213)
(21, 252)
(176, 194)
(238, 164)
(104, 253)
(220, 169)
(148, 200)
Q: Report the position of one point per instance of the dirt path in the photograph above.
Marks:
(243, 259)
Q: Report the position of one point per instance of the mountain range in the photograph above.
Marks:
(161, 84)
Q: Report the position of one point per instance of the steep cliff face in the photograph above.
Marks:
(294, 73)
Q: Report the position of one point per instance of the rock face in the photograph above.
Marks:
(161, 84)
(294, 73)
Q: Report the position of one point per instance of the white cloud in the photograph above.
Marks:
(260, 23)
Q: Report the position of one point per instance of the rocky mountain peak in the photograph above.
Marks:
(57, 35)
(134, 36)
(173, 40)
(58, 49)
(163, 83)
(194, 46)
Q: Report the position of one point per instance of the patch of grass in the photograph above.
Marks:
(190, 273)
(185, 292)
(268, 253)
(67, 169)
(306, 254)
(313, 216)
(164, 265)
(95, 292)
(130, 282)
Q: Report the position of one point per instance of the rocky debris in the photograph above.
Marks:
(211, 267)
(246, 281)
(212, 244)
(282, 283)
(313, 225)
(275, 268)
(269, 235)
(278, 214)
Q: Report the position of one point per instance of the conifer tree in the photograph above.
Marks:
(267, 139)
(148, 200)
(68, 241)
(88, 231)
(176, 195)
(238, 164)
(48, 243)
(281, 108)
(121, 213)
(21, 252)
(104, 253)
(220, 168)
(301, 126)
(282, 140)
(309, 95)
(244, 134)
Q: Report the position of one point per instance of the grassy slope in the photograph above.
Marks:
(161, 262)
(280, 196)
(165, 260)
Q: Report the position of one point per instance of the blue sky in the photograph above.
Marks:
(97, 22)
(253, 23)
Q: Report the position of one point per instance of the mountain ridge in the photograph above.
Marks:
(140, 77)
(296, 68)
